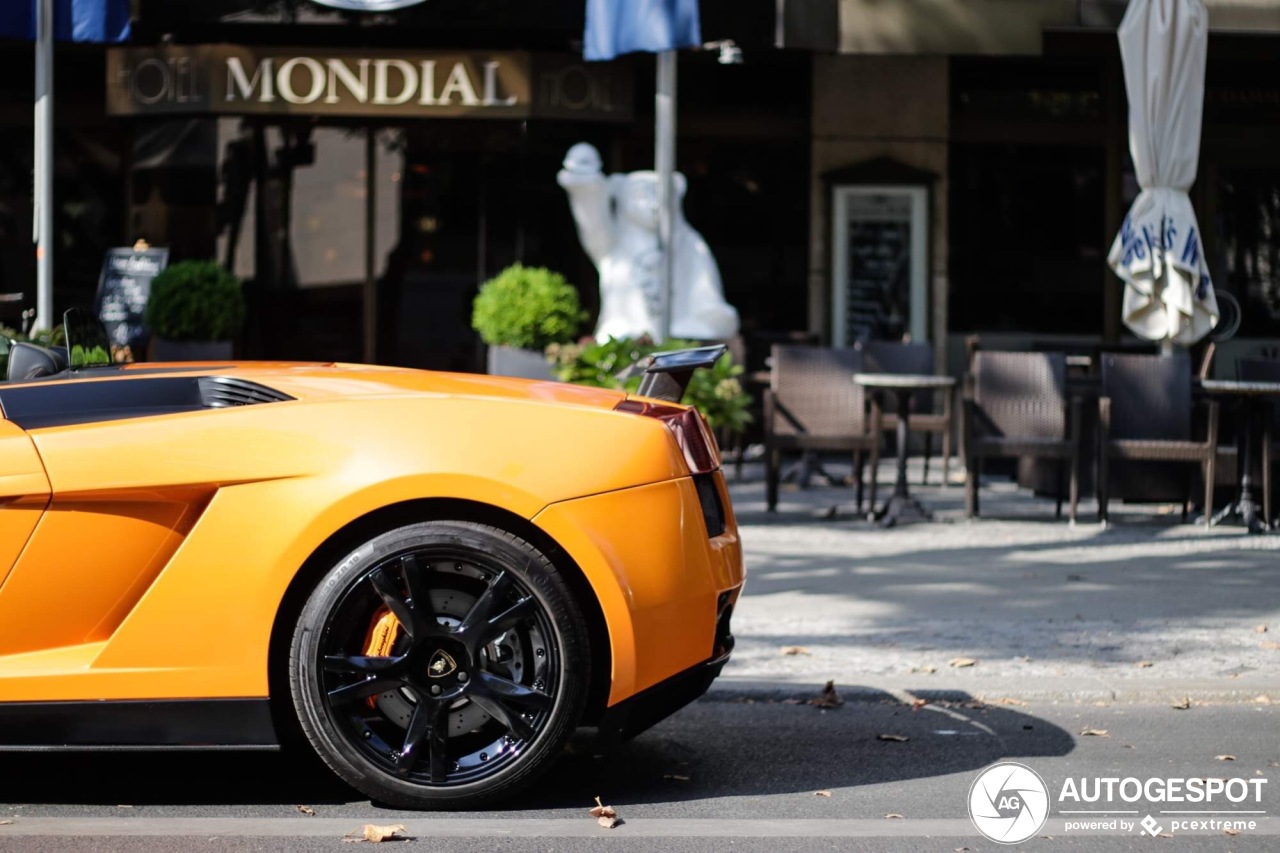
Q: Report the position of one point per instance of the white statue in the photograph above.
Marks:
(617, 219)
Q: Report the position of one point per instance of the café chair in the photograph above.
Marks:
(1144, 415)
(1264, 370)
(1016, 406)
(813, 405)
(926, 417)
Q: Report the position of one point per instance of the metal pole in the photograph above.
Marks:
(370, 228)
(43, 162)
(664, 156)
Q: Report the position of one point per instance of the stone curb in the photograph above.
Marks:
(1026, 690)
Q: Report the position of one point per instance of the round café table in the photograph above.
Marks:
(1249, 396)
(901, 506)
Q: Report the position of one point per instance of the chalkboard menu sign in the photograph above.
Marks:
(123, 289)
(879, 264)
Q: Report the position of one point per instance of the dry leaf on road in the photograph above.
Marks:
(1270, 645)
(894, 738)
(1261, 629)
(822, 793)
(1143, 664)
(1232, 832)
(606, 816)
(960, 663)
(307, 810)
(1224, 758)
(376, 834)
(917, 704)
(829, 698)
(927, 668)
(5, 822)
(795, 650)
(1095, 733)
(1007, 700)
(1182, 704)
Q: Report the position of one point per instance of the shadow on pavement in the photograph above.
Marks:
(715, 748)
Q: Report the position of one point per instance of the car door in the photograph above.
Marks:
(24, 495)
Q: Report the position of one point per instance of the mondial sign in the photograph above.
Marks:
(241, 79)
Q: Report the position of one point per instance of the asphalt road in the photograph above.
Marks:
(732, 772)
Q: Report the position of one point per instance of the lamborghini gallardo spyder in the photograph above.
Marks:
(429, 579)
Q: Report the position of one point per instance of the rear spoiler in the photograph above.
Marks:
(667, 374)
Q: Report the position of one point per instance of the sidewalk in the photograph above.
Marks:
(1148, 609)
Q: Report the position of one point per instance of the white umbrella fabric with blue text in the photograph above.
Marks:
(1168, 291)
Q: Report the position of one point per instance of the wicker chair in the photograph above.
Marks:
(812, 404)
(1016, 405)
(1264, 370)
(892, 357)
(1144, 414)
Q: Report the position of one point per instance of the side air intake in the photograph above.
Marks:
(221, 392)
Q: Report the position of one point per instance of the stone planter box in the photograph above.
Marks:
(521, 363)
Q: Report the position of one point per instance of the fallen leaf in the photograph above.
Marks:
(1224, 758)
(675, 777)
(1263, 699)
(1231, 831)
(829, 698)
(5, 822)
(917, 704)
(894, 738)
(1007, 700)
(608, 822)
(601, 810)
(376, 834)
(926, 668)
(1182, 704)
(307, 810)
(1143, 664)
(1165, 835)
(822, 793)
(1270, 645)
(1095, 733)
(1261, 629)
(794, 701)
(960, 663)
(124, 806)
(894, 816)
(795, 650)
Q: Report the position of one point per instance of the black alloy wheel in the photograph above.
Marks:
(441, 664)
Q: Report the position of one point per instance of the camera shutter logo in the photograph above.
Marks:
(1008, 802)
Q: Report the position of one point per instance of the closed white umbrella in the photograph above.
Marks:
(1168, 294)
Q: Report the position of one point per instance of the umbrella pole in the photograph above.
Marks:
(664, 155)
(43, 162)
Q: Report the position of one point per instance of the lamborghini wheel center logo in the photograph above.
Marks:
(441, 664)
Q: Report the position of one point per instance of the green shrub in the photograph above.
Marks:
(195, 301)
(528, 308)
(715, 391)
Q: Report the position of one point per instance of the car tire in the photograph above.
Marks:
(458, 702)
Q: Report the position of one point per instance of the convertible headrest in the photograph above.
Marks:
(28, 361)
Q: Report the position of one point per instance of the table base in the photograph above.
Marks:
(1243, 510)
(902, 508)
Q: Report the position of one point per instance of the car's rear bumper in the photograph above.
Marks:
(649, 707)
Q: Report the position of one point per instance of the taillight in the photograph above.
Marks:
(691, 433)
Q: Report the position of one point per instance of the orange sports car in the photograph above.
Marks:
(430, 578)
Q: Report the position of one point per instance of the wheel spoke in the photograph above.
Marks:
(412, 611)
(484, 607)
(427, 728)
(361, 689)
(516, 724)
(419, 592)
(361, 664)
(513, 615)
(506, 690)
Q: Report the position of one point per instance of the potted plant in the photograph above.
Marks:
(522, 311)
(195, 310)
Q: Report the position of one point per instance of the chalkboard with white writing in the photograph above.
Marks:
(123, 289)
